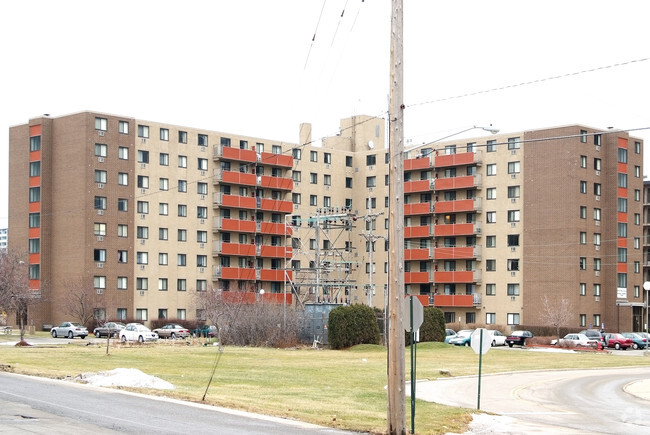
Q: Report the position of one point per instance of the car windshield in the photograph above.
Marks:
(518, 333)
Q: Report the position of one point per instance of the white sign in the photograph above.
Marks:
(418, 313)
(621, 293)
(475, 341)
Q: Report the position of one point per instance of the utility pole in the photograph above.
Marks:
(396, 364)
(370, 237)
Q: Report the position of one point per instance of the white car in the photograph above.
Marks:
(575, 340)
(137, 332)
(69, 330)
(498, 339)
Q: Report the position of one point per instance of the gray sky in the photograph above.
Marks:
(255, 68)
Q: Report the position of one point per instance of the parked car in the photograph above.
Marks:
(518, 337)
(576, 340)
(69, 330)
(449, 334)
(137, 332)
(109, 329)
(498, 339)
(205, 331)
(595, 334)
(638, 342)
(462, 338)
(617, 341)
(644, 335)
(172, 330)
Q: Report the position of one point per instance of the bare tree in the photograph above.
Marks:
(15, 294)
(556, 313)
(81, 300)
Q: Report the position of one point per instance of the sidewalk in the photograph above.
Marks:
(640, 389)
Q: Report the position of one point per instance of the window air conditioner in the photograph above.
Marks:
(100, 132)
(100, 212)
(100, 186)
(100, 159)
(100, 265)
(597, 298)
(100, 238)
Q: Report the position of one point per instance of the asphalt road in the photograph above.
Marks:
(562, 401)
(46, 406)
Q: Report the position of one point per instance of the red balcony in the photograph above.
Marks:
(275, 275)
(455, 253)
(447, 160)
(237, 154)
(237, 273)
(454, 230)
(451, 183)
(280, 183)
(275, 251)
(417, 163)
(418, 232)
(234, 201)
(417, 254)
(235, 225)
(417, 277)
(276, 205)
(453, 301)
(234, 177)
(236, 249)
(274, 228)
(457, 206)
(457, 276)
(418, 186)
(284, 160)
(418, 208)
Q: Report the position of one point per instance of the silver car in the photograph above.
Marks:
(137, 332)
(69, 330)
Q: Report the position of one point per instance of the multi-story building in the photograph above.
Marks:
(646, 251)
(496, 227)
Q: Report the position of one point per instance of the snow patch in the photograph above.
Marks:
(125, 378)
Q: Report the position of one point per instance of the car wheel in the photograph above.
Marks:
(114, 334)
(467, 343)
(141, 339)
(123, 338)
(635, 346)
(53, 334)
(83, 337)
(98, 335)
(494, 343)
(173, 336)
(617, 346)
(510, 344)
(70, 334)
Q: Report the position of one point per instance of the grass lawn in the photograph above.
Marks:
(342, 389)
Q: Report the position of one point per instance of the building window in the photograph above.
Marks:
(201, 285)
(597, 189)
(98, 254)
(313, 156)
(34, 220)
(327, 158)
(513, 239)
(296, 176)
(143, 131)
(490, 318)
(513, 264)
(143, 207)
(637, 147)
(621, 280)
(295, 198)
(202, 164)
(313, 200)
(100, 201)
(35, 143)
(597, 239)
(583, 289)
(622, 255)
(100, 149)
(491, 241)
(637, 243)
(182, 186)
(313, 178)
(99, 229)
(162, 285)
(583, 263)
(583, 136)
(597, 263)
(123, 179)
(622, 155)
(182, 161)
(513, 318)
(99, 282)
(491, 217)
(142, 257)
(143, 181)
(122, 256)
(163, 233)
(35, 169)
(201, 260)
(637, 195)
(163, 259)
(182, 235)
(583, 161)
(142, 232)
(513, 215)
(181, 260)
(491, 146)
(202, 188)
(122, 230)
(181, 285)
(514, 143)
(202, 212)
(143, 156)
(163, 208)
(596, 289)
(371, 160)
(348, 161)
(597, 214)
(371, 181)
(123, 127)
(622, 229)
(637, 171)
(100, 176)
(622, 205)
(101, 124)
(122, 282)
(491, 265)
(583, 212)
(583, 186)
(141, 314)
(492, 169)
(513, 289)
(491, 193)
(164, 184)
(164, 134)
(297, 153)
(182, 210)
(327, 180)
(583, 238)
(490, 289)
(122, 204)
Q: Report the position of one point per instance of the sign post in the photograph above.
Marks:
(480, 345)
(413, 313)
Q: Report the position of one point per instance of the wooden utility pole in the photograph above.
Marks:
(396, 369)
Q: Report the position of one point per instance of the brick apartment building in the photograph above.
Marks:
(150, 215)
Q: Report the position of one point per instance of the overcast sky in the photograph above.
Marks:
(262, 67)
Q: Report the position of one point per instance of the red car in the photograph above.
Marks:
(617, 341)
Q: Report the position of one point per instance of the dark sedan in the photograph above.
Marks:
(519, 338)
(109, 329)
